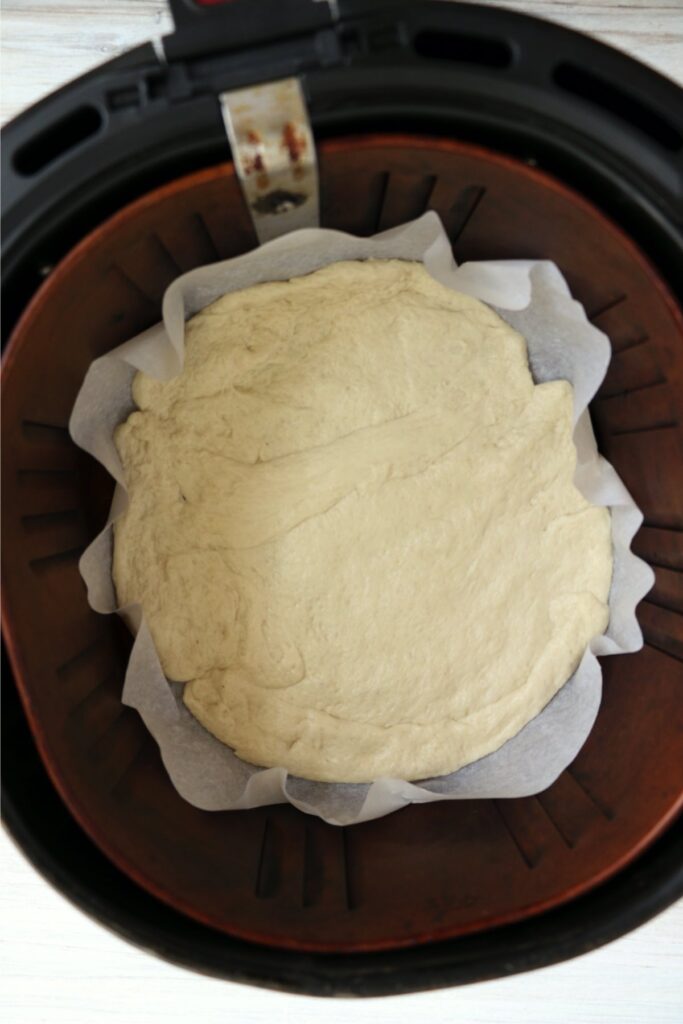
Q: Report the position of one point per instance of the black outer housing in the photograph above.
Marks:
(460, 70)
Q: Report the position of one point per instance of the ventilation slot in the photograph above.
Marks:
(618, 102)
(491, 53)
(57, 140)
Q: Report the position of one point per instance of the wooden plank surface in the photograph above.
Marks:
(58, 967)
(61, 968)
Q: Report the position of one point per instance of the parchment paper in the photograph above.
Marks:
(533, 297)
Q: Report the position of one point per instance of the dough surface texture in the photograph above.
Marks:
(353, 529)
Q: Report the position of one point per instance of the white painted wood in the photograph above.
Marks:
(57, 966)
(46, 43)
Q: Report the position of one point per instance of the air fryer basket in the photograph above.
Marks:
(434, 893)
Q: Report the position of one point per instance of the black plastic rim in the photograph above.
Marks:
(591, 116)
(596, 119)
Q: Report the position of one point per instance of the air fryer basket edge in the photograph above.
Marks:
(153, 121)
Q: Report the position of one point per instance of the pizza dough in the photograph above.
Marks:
(353, 529)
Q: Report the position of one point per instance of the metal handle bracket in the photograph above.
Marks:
(274, 153)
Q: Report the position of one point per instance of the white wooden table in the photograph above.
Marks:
(57, 966)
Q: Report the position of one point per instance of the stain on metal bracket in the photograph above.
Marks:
(274, 153)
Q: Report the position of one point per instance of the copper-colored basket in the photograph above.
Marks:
(274, 875)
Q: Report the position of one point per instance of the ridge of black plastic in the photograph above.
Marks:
(237, 24)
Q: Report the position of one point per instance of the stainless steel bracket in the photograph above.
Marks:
(274, 154)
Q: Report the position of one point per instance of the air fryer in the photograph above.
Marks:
(529, 141)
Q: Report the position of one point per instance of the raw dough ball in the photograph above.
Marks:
(353, 528)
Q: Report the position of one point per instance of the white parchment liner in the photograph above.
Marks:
(531, 296)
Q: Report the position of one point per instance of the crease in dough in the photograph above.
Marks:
(353, 527)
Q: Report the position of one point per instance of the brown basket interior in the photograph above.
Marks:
(274, 874)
